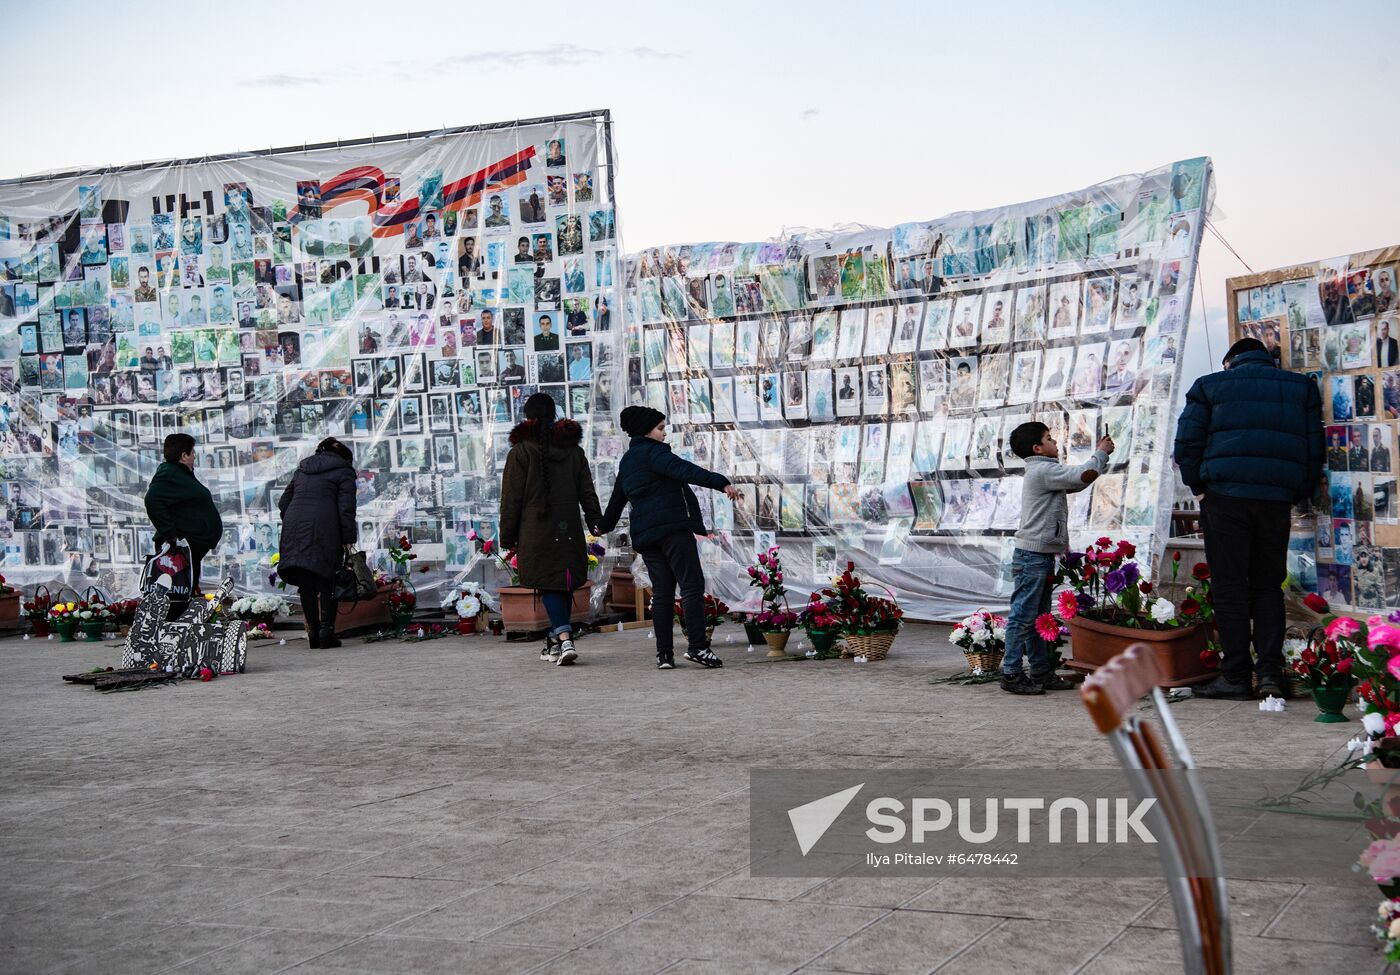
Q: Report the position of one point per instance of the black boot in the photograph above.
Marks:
(313, 636)
(328, 639)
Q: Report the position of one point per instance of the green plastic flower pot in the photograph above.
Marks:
(65, 630)
(1331, 702)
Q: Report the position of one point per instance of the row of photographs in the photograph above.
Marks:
(1363, 344)
(1358, 500)
(1338, 295)
(1370, 580)
(1092, 373)
(1091, 304)
(290, 417)
(1361, 448)
(859, 333)
(1354, 397)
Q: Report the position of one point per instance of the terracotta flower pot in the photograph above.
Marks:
(9, 607)
(373, 611)
(1178, 650)
(522, 609)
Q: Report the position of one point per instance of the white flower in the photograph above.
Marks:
(468, 606)
(1293, 649)
(1374, 724)
(1163, 611)
(1393, 932)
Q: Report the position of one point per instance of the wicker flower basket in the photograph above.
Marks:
(987, 663)
(871, 646)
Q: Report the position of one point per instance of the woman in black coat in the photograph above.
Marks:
(318, 529)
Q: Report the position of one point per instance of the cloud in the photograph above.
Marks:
(807, 114)
(556, 55)
(281, 81)
(651, 52)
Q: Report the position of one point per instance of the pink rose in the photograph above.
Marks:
(1384, 635)
(1344, 627)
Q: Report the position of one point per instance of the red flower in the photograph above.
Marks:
(1344, 666)
(1190, 607)
(1127, 549)
(1200, 571)
(1104, 542)
(487, 547)
(1176, 556)
(1210, 658)
(1315, 603)
(1144, 587)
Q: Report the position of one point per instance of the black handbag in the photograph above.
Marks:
(354, 581)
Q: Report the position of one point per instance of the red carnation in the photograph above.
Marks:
(1127, 549)
(1104, 542)
(1190, 607)
(1201, 571)
(1210, 658)
(1344, 666)
(1315, 603)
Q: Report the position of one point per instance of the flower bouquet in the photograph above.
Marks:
(37, 610)
(470, 602)
(402, 604)
(716, 611)
(823, 625)
(64, 618)
(259, 609)
(492, 549)
(1324, 664)
(93, 619)
(124, 611)
(774, 621)
(1374, 649)
(1388, 929)
(868, 623)
(982, 637)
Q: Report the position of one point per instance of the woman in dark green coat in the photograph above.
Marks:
(545, 487)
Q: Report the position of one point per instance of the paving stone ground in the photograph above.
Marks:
(460, 806)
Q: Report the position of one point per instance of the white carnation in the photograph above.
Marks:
(1373, 723)
(1163, 611)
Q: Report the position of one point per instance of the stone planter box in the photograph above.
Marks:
(1178, 650)
(372, 612)
(9, 607)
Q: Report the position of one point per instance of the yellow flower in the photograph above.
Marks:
(276, 557)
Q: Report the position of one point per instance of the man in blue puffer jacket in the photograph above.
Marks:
(665, 520)
(1250, 445)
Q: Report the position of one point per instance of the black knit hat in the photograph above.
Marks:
(638, 421)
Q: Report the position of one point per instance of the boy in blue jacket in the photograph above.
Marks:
(665, 520)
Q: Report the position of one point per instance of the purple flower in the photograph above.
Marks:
(1131, 573)
(1084, 600)
(1394, 617)
(1116, 581)
(596, 549)
(1072, 559)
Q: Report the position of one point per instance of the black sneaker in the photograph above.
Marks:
(1052, 681)
(705, 657)
(665, 660)
(328, 640)
(550, 651)
(1020, 684)
(567, 654)
(1224, 690)
(1272, 687)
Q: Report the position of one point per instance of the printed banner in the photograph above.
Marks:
(861, 387)
(404, 295)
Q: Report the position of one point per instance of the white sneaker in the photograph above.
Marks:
(567, 654)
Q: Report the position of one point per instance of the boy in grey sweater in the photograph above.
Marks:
(1044, 535)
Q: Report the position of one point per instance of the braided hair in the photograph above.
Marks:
(540, 408)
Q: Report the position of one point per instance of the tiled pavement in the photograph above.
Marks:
(460, 806)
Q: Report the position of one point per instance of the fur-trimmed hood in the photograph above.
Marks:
(565, 433)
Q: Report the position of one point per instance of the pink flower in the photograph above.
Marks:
(1384, 635)
(1068, 607)
(471, 535)
(1344, 627)
(1393, 665)
(1046, 626)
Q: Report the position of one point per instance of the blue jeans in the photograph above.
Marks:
(1030, 597)
(559, 604)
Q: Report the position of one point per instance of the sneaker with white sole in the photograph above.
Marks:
(566, 652)
(704, 656)
(665, 660)
(551, 650)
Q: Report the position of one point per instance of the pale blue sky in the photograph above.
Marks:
(733, 120)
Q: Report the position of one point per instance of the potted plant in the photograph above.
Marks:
(402, 604)
(1375, 650)
(716, 611)
(260, 609)
(93, 619)
(823, 625)
(522, 610)
(63, 618)
(37, 610)
(470, 602)
(1109, 606)
(774, 621)
(124, 612)
(869, 623)
(982, 638)
(1324, 664)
